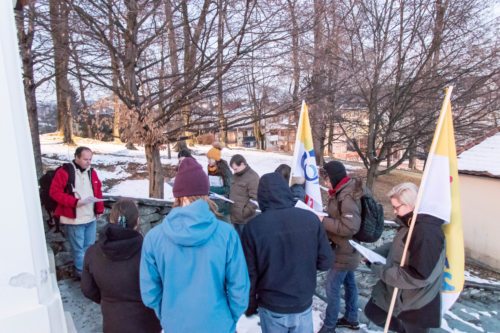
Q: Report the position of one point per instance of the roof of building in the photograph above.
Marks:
(482, 157)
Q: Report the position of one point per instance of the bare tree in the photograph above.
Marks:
(158, 96)
(400, 56)
(25, 22)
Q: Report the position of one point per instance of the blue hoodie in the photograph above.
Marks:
(193, 272)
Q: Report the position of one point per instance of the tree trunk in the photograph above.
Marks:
(220, 46)
(412, 159)
(371, 175)
(155, 171)
(114, 66)
(25, 39)
(295, 60)
(317, 109)
(59, 13)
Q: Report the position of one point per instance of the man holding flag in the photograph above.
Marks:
(343, 221)
(407, 297)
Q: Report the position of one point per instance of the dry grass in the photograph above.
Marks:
(383, 184)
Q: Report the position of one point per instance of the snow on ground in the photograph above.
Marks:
(470, 276)
(115, 154)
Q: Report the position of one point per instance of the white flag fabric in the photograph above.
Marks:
(304, 161)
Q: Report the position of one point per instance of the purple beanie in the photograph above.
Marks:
(190, 180)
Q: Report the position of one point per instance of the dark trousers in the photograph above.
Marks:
(378, 316)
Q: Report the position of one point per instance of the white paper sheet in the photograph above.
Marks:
(300, 204)
(367, 253)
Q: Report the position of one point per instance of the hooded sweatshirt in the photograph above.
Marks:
(111, 277)
(193, 272)
(284, 247)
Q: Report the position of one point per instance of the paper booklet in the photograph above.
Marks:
(367, 253)
(94, 199)
(218, 196)
(300, 204)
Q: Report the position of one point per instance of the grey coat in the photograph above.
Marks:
(419, 280)
(244, 186)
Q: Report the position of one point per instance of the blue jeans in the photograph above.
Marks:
(273, 322)
(80, 237)
(334, 281)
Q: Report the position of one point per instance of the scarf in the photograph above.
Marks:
(337, 187)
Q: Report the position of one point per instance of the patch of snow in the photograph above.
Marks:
(475, 315)
(484, 313)
(138, 188)
(484, 157)
(454, 316)
(447, 328)
(113, 153)
(472, 278)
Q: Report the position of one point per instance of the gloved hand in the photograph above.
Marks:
(252, 308)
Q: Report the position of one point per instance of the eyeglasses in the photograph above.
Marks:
(396, 208)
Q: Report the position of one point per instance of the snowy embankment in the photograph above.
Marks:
(119, 166)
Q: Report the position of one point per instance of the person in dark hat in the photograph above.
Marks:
(342, 223)
(193, 270)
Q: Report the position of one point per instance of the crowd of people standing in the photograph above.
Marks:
(235, 244)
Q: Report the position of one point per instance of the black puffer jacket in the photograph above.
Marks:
(284, 247)
(419, 280)
(111, 277)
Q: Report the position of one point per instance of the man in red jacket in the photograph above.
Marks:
(76, 189)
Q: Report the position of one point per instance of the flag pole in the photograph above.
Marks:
(447, 100)
(296, 147)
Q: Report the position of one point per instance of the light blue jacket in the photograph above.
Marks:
(193, 272)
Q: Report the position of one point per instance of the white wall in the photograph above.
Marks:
(480, 200)
(29, 298)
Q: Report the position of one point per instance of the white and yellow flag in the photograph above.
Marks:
(441, 198)
(304, 161)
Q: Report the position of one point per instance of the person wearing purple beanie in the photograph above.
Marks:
(193, 271)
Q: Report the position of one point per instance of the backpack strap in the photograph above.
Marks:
(70, 185)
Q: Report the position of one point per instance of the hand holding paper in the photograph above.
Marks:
(300, 204)
(367, 253)
(88, 200)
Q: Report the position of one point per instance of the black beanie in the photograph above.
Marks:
(335, 171)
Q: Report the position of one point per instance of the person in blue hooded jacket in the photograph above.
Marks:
(193, 272)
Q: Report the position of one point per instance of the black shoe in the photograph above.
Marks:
(325, 329)
(342, 322)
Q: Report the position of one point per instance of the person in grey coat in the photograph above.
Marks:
(243, 192)
(418, 305)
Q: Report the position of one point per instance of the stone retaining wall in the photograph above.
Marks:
(151, 211)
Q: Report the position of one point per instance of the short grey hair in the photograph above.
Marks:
(406, 193)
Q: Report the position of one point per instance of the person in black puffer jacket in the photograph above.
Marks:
(418, 305)
(110, 274)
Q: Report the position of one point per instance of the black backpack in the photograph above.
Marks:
(44, 189)
(372, 220)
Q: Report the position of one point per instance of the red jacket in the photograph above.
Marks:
(66, 202)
